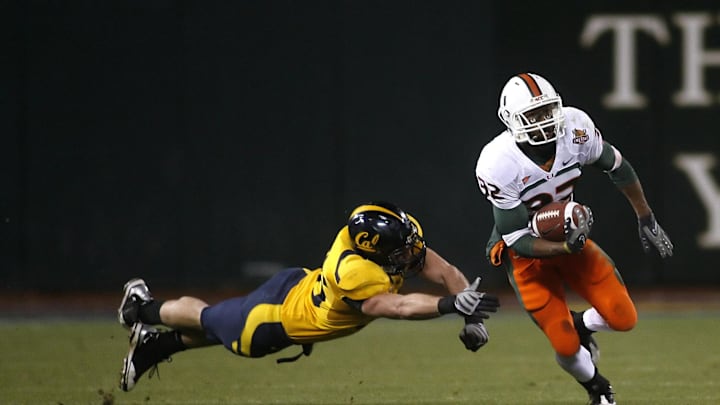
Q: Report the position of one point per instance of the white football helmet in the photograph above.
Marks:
(520, 98)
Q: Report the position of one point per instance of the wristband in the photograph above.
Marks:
(446, 305)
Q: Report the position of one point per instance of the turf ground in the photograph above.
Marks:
(670, 358)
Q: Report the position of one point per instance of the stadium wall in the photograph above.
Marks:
(210, 144)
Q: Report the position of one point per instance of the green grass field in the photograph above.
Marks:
(666, 360)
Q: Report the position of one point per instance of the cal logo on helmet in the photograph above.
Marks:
(364, 242)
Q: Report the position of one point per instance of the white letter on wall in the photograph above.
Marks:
(695, 58)
(697, 167)
(624, 93)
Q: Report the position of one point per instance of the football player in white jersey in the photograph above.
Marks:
(537, 160)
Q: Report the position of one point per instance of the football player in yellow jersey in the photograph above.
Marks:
(358, 282)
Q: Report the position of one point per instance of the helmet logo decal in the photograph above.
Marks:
(364, 242)
(580, 136)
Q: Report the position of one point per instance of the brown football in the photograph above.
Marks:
(549, 221)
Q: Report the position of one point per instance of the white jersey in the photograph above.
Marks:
(508, 177)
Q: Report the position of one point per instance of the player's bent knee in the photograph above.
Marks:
(183, 312)
(624, 326)
(625, 321)
(192, 302)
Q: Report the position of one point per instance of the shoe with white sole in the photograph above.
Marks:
(135, 294)
(142, 355)
(599, 390)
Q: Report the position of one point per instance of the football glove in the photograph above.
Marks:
(590, 217)
(651, 234)
(470, 300)
(575, 238)
(474, 335)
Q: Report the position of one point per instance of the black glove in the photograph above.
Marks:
(575, 238)
(651, 234)
(474, 335)
(488, 303)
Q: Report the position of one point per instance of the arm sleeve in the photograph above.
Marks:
(512, 224)
(612, 162)
(509, 221)
(608, 158)
(524, 246)
(623, 175)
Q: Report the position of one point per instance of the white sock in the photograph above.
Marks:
(579, 365)
(594, 321)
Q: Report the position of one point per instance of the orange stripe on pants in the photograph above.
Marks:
(540, 286)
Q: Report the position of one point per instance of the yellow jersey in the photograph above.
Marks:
(317, 308)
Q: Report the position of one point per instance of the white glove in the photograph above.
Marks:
(468, 299)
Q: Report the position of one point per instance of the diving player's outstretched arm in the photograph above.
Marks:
(464, 298)
(402, 306)
(440, 271)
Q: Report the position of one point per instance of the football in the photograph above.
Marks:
(549, 221)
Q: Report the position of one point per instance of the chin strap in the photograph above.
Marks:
(306, 350)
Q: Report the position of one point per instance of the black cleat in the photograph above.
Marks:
(599, 390)
(142, 356)
(604, 397)
(136, 293)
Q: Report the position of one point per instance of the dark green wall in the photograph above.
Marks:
(208, 144)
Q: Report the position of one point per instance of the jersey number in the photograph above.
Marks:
(489, 190)
(561, 192)
(319, 297)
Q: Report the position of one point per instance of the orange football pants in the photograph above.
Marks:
(539, 284)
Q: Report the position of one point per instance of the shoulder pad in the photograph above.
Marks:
(360, 279)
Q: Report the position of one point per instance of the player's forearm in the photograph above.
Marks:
(628, 183)
(408, 306)
(545, 248)
(439, 271)
(454, 280)
(419, 306)
(635, 195)
(530, 246)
